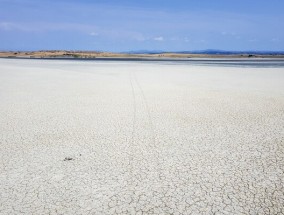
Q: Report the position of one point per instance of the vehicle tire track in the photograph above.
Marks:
(134, 109)
(150, 120)
(133, 132)
(154, 144)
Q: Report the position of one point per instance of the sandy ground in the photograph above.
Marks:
(140, 138)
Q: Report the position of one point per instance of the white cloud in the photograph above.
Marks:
(275, 40)
(4, 25)
(186, 39)
(94, 34)
(8, 26)
(253, 40)
(139, 37)
(201, 41)
(159, 38)
(46, 26)
(225, 33)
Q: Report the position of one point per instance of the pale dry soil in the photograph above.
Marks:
(140, 138)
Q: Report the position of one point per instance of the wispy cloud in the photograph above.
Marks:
(10, 26)
(94, 34)
(45, 26)
(253, 40)
(159, 38)
(225, 33)
(275, 40)
(186, 39)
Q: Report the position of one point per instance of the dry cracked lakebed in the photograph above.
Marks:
(96, 137)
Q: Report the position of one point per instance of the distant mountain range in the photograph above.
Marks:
(208, 51)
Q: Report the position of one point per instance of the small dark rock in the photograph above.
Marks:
(68, 159)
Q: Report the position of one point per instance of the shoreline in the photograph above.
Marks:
(103, 55)
(223, 62)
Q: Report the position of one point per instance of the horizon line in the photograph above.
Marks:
(146, 51)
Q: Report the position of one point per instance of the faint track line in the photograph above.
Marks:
(150, 120)
(134, 108)
(134, 119)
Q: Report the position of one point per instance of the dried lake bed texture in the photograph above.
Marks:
(120, 137)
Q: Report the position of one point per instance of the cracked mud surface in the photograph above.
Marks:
(140, 138)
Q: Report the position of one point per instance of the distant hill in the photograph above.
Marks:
(156, 54)
(208, 51)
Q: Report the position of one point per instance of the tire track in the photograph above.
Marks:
(154, 144)
(134, 109)
(150, 120)
(133, 132)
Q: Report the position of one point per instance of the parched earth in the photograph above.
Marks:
(96, 137)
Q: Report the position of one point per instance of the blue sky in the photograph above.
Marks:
(125, 25)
